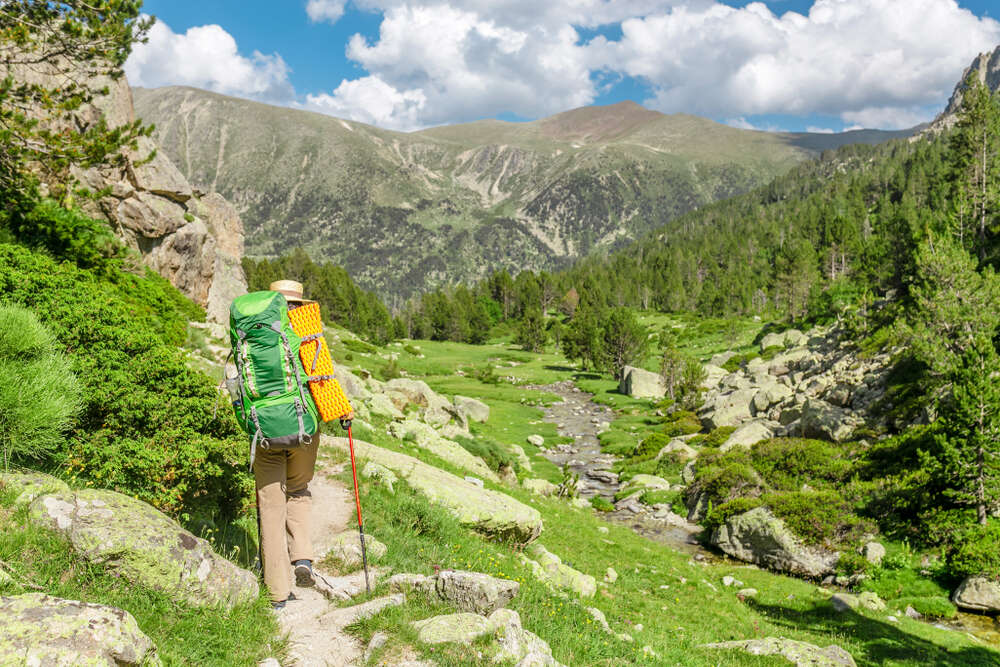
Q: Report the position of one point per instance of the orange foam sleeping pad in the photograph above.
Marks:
(330, 399)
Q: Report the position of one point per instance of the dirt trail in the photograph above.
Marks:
(315, 627)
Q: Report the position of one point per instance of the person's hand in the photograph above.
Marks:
(349, 416)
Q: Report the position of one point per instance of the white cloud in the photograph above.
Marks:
(890, 118)
(865, 60)
(371, 100)
(207, 57)
(818, 130)
(740, 123)
(325, 10)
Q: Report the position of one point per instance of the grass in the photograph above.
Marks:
(184, 635)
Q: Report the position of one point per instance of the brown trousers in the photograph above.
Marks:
(285, 506)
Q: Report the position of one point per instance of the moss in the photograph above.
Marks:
(601, 504)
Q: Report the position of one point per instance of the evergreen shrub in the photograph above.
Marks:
(976, 551)
(39, 395)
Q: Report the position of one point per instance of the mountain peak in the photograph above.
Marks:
(597, 123)
(987, 67)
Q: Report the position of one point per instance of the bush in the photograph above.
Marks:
(359, 346)
(652, 445)
(725, 477)
(486, 374)
(147, 428)
(602, 504)
(717, 515)
(390, 371)
(975, 552)
(682, 422)
(39, 395)
(713, 439)
(819, 517)
(411, 350)
(788, 463)
(492, 452)
(658, 497)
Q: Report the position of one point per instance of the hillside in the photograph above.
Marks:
(404, 212)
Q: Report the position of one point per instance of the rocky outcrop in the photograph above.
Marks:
(345, 548)
(511, 642)
(978, 594)
(986, 67)
(424, 436)
(192, 239)
(549, 568)
(474, 410)
(494, 514)
(639, 383)
(760, 537)
(36, 629)
(799, 653)
(466, 591)
(144, 546)
(815, 385)
(30, 485)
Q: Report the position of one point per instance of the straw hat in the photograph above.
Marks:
(291, 289)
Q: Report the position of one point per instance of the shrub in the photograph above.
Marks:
(788, 463)
(39, 395)
(602, 504)
(717, 515)
(717, 437)
(359, 346)
(976, 551)
(390, 371)
(725, 477)
(652, 445)
(682, 422)
(409, 349)
(486, 375)
(819, 517)
(492, 452)
(657, 497)
(147, 427)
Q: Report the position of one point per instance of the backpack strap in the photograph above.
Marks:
(308, 339)
(300, 405)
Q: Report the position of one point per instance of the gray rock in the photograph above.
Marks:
(353, 386)
(678, 447)
(30, 485)
(144, 546)
(522, 458)
(536, 440)
(435, 416)
(730, 409)
(799, 653)
(599, 618)
(542, 487)
(382, 406)
(417, 392)
(424, 436)
(345, 547)
(473, 409)
(36, 629)
(713, 375)
(639, 383)
(474, 591)
(549, 568)
(873, 553)
(746, 436)
(759, 537)
(157, 175)
(378, 472)
(461, 628)
(513, 642)
(378, 640)
(978, 593)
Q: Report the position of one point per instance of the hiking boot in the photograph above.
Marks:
(278, 606)
(304, 574)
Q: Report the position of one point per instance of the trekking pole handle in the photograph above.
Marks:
(345, 424)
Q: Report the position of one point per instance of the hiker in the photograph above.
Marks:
(284, 503)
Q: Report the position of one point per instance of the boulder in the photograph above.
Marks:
(713, 376)
(157, 175)
(679, 448)
(514, 643)
(536, 440)
(542, 487)
(494, 514)
(522, 458)
(474, 410)
(760, 537)
(746, 436)
(36, 629)
(474, 591)
(873, 553)
(799, 653)
(425, 437)
(721, 358)
(648, 482)
(784, 363)
(772, 340)
(353, 386)
(639, 383)
(379, 472)
(730, 409)
(417, 393)
(868, 600)
(435, 416)
(345, 547)
(461, 628)
(978, 593)
(381, 406)
(144, 546)
(822, 420)
(771, 394)
(30, 485)
(549, 568)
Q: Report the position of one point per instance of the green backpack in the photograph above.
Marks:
(270, 397)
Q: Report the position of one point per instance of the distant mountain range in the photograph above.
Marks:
(403, 212)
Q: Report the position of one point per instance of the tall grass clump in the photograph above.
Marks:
(39, 395)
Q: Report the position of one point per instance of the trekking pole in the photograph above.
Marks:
(346, 424)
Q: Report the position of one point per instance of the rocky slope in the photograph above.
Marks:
(987, 68)
(403, 212)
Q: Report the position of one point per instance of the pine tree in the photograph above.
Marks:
(531, 332)
(623, 341)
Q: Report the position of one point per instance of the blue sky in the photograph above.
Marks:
(837, 64)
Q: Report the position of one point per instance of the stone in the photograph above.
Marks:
(913, 613)
(435, 416)
(382, 406)
(760, 537)
(407, 583)
(378, 640)
(639, 383)
(536, 440)
(425, 437)
(610, 575)
(679, 449)
(380, 473)
(461, 628)
(474, 591)
(978, 593)
(784, 363)
(866, 600)
(542, 487)
(599, 618)
(473, 409)
(417, 392)
(345, 547)
(157, 175)
(353, 386)
(713, 375)
(522, 458)
(799, 653)
(730, 409)
(475, 480)
(491, 513)
(648, 482)
(873, 552)
(144, 546)
(721, 358)
(687, 474)
(549, 568)
(30, 485)
(822, 420)
(747, 592)
(746, 436)
(513, 642)
(772, 340)
(36, 629)
(872, 601)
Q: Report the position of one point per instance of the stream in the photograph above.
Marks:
(578, 417)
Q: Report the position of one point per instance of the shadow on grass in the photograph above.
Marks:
(561, 369)
(881, 641)
(584, 375)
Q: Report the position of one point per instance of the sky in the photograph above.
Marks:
(791, 65)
